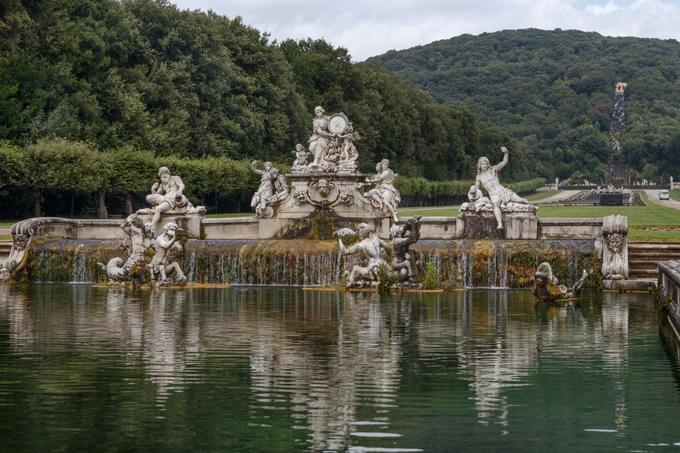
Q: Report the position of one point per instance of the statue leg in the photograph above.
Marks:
(499, 216)
(517, 199)
(178, 274)
(161, 208)
(579, 284)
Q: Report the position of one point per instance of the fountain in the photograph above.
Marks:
(323, 224)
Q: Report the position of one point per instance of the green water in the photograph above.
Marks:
(286, 370)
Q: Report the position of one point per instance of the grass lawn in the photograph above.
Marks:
(675, 194)
(541, 195)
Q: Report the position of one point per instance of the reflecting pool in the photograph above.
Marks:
(285, 370)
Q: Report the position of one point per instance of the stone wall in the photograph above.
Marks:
(669, 286)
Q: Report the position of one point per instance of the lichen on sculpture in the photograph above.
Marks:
(547, 286)
(273, 189)
(384, 196)
(500, 198)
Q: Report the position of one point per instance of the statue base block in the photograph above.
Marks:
(483, 225)
(189, 221)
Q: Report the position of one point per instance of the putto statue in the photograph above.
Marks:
(300, 162)
(501, 199)
(402, 237)
(371, 248)
(384, 195)
(273, 188)
(332, 144)
(161, 266)
(547, 287)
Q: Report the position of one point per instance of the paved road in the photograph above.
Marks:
(653, 196)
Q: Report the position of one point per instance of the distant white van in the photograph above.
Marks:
(664, 195)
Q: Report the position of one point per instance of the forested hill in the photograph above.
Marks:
(552, 91)
(143, 74)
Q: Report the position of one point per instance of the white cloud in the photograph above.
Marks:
(372, 27)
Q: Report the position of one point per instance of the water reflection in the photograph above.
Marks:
(337, 369)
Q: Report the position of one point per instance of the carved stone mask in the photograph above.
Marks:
(323, 187)
(615, 242)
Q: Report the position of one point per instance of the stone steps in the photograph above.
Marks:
(643, 257)
(5, 247)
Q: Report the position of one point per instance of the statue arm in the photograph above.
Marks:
(499, 166)
(180, 185)
(254, 168)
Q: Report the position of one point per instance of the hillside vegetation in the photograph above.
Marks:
(552, 91)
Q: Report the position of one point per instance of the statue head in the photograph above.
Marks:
(543, 275)
(483, 164)
(268, 166)
(385, 164)
(474, 193)
(395, 231)
(299, 148)
(318, 111)
(364, 230)
(164, 174)
(615, 242)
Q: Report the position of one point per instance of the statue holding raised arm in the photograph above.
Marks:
(162, 268)
(273, 188)
(500, 196)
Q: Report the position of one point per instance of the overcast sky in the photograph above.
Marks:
(369, 28)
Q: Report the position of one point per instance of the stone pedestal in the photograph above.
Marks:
(188, 220)
(482, 225)
(320, 203)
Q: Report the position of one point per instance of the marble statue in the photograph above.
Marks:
(319, 140)
(500, 196)
(547, 287)
(137, 242)
(273, 188)
(402, 237)
(372, 250)
(348, 150)
(331, 145)
(384, 195)
(615, 247)
(300, 162)
(166, 194)
(162, 268)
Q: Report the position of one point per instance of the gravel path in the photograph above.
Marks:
(559, 196)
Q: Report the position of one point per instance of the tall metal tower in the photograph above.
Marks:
(617, 173)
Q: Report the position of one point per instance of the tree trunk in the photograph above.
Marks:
(102, 212)
(128, 203)
(37, 205)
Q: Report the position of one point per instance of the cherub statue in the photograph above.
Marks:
(161, 266)
(300, 162)
(166, 194)
(487, 177)
(384, 195)
(348, 151)
(371, 248)
(403, 236)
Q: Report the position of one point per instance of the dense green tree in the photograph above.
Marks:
(552, 92)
